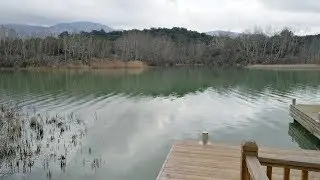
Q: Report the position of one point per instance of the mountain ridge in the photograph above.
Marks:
(223, 33)
(24, 30)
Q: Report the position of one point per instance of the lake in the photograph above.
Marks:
(132, 117)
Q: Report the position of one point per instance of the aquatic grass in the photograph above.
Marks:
(27, 137)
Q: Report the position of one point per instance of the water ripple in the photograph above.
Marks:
(135, 118)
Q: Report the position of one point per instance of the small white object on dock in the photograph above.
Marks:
(205, 138)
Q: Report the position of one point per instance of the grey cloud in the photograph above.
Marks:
(27, 18)
(111, 12)
(294, 5)
(201, 15)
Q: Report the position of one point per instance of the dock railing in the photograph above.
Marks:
(252, 164)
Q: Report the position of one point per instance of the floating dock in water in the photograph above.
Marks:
(189, 160)
(307, 115)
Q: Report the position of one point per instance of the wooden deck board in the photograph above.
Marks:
(307, 116)
(188, 160)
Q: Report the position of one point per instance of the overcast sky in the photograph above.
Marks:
(200, 15)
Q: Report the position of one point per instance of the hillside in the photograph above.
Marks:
(41, 31)
(223, 33)
(77, 27)
(160, 47)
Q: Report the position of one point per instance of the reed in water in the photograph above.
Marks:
(28, 137)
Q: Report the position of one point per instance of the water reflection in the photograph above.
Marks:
(303, 137)
(157, 82)
(131, 119)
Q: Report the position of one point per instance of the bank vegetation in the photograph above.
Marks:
(159, 47)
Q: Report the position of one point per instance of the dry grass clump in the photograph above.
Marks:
(25, 136)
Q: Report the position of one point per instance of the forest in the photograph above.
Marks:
(160, 47)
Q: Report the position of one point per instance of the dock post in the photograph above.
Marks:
(294, 102)
(248, 148)
(205, 137)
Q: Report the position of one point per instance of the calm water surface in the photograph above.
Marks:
(133, 117)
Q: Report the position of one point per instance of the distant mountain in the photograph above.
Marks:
(7, 32)
(41, 31)
(77, 27)
(27, 30)
(223, 33)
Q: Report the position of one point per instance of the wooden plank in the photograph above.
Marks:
(255, 168)
(292, 162)
(307, 116)
(300, 115)
(188, 160)
(269, 172)
(164, 164)
(304, 175)
(277, 173)
(286, 173)
(203, 171)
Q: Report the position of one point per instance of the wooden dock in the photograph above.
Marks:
(308, 116)
(192, 161)
(302, 136)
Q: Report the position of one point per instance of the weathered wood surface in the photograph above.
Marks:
(188, 160)
(307, 116)
(254, 168)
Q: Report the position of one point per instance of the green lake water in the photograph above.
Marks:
(133, 117)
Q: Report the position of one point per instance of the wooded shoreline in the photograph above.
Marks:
(160, 47)
(284, 66)
(98, 64)
(117, 64)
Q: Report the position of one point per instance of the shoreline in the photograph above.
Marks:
(100, 65)
(283, 67)
(140, 65)
(107, 65)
